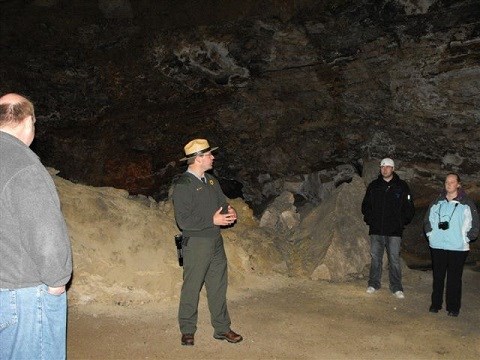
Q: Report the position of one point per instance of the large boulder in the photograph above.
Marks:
(332, 242)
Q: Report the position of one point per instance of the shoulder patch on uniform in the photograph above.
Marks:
(184, 179)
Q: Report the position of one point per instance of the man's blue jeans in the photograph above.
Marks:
(32, 324)
(377, 245)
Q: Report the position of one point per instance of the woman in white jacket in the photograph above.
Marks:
(450, 224)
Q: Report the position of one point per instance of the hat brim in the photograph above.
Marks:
(198, 153)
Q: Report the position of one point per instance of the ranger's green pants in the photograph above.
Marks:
(204, 261)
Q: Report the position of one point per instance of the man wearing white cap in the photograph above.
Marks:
(387, 207)
(201, 208)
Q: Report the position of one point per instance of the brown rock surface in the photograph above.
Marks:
(124, 252)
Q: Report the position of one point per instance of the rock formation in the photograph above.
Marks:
(283, 87)
(124, 251)
(332, 241)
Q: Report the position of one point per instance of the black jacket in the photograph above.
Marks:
(387, 206)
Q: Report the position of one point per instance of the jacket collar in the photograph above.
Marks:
(460, 194)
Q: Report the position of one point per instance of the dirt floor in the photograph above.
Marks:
(285, 318)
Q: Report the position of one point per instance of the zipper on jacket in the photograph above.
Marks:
(383, 208)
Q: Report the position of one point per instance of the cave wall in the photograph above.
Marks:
(283, 87)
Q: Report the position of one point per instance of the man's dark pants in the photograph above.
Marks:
(204, 262)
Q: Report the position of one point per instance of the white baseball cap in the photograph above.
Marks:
(387, 162)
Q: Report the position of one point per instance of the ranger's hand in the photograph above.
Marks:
(225, 219)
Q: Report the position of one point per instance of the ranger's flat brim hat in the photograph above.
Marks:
(197, 147)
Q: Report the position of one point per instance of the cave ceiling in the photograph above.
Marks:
(284, 88)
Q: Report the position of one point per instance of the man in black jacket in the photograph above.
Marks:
(387, 207)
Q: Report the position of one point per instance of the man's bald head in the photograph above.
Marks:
(12, 98)
(14, 108)
(17, 117)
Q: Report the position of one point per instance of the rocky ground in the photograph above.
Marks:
(285, 318)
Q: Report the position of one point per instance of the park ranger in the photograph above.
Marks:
(201, 209)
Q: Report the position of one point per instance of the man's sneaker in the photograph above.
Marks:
(371, 290)
(399, 294)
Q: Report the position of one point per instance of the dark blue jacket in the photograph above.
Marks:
(387, 206)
